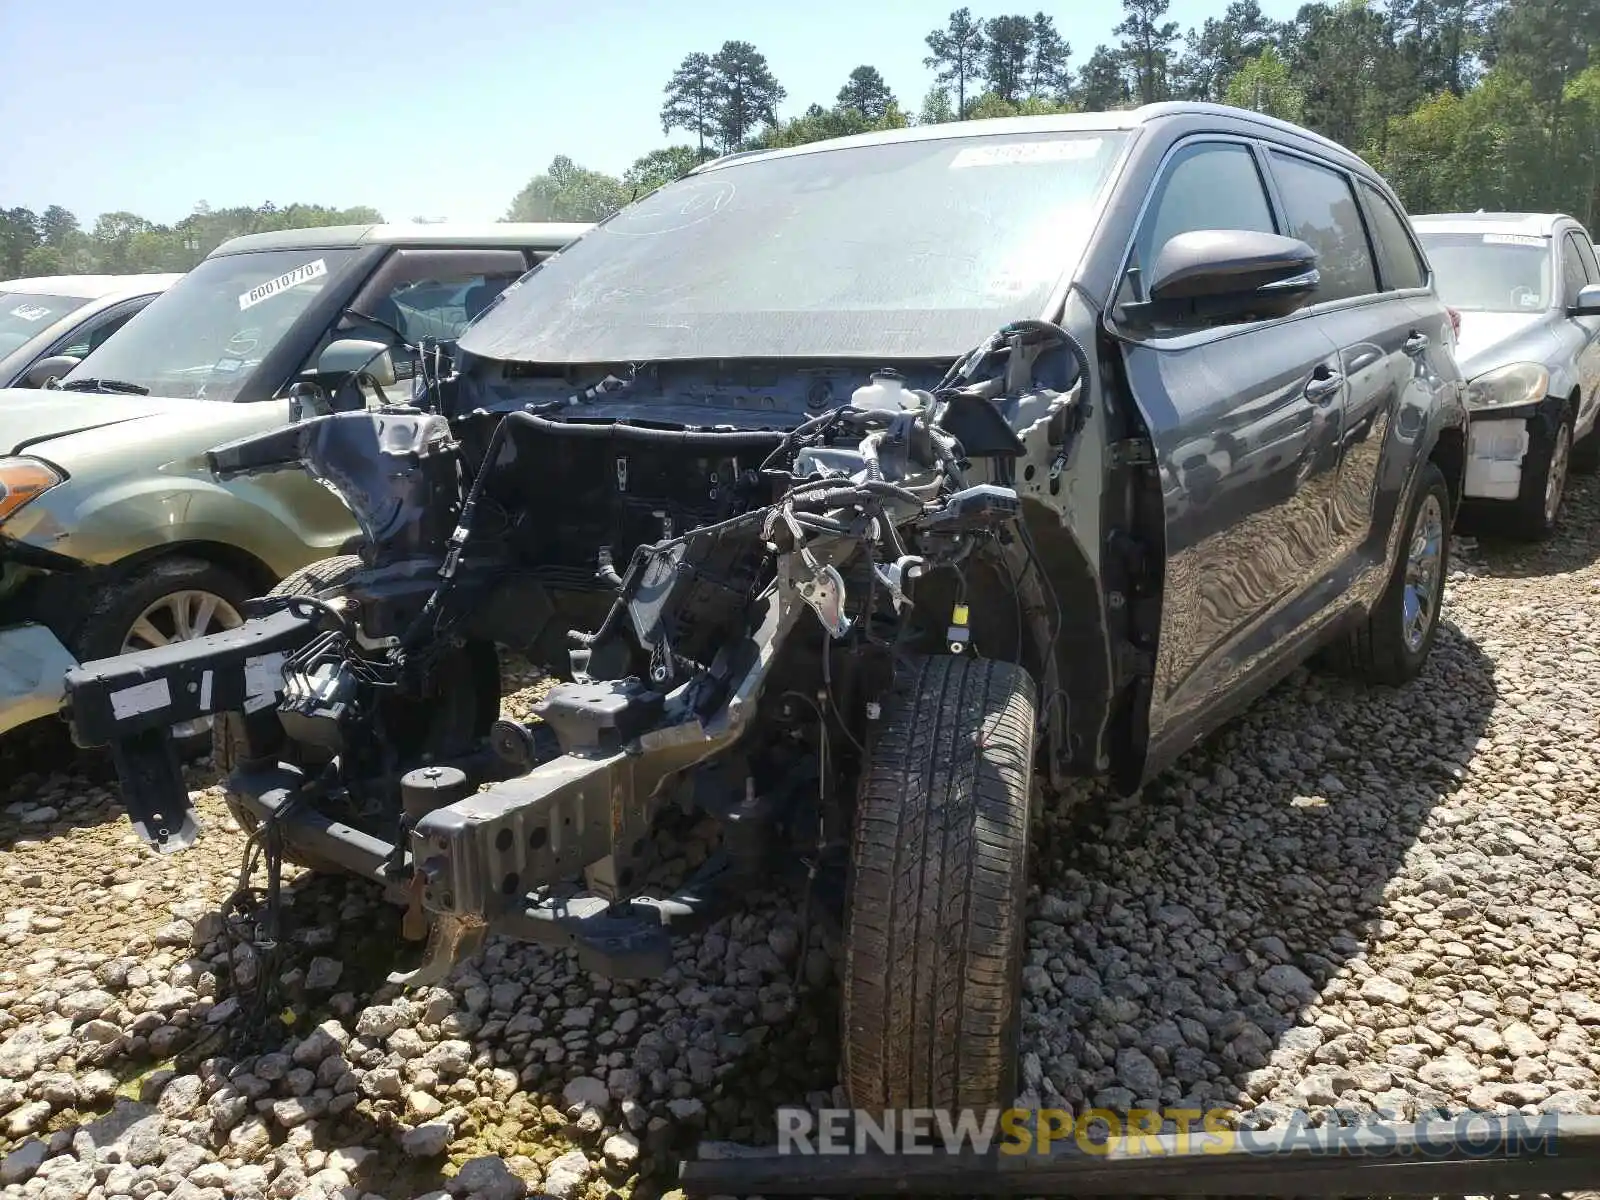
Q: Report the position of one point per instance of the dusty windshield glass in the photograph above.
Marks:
(917, 248)
(23, 315)
(206, 335)
(1490, 272)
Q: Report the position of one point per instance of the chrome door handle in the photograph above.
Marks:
(1325, 386)
(1416, 343)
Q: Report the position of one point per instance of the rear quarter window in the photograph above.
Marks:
(1402, 265)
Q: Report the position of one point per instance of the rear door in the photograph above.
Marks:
(1580, 250)
(1245, 419)
(1383, 347)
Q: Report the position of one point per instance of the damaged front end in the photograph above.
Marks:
(733, 670)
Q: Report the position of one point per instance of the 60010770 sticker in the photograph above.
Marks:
(289, 279)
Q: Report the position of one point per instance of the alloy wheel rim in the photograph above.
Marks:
(182, 617)
(1423, 558)
(1556, 481)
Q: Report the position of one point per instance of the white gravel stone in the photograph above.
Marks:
(427, 1141)
(565, 1176)
(488, 1178)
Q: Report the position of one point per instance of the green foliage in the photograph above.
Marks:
(567, 192)
(1263, 83)
(817, 124)
(936, 107)
(1103, 82)
(1048, 55)
(723, 97)
(661, 167)
(867, 93)
(692, 99)
(747, 93)
(54, 243)
(1147, 44)
(955, 54)
(1007, 49)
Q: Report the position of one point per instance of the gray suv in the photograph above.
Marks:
(1527, 288)
(845, 487)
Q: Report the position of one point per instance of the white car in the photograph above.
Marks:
(1527, 288)
(47, 320)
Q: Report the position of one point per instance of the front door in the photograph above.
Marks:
(1246, 421)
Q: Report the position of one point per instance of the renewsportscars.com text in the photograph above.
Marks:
(1149, 1132)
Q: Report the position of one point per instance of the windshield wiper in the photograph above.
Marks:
(105, 385)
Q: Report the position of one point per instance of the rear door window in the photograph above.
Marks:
(1322, 213)
(1575, 271)
(1402, 264)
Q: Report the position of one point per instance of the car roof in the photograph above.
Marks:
(91, 287)
(1528, 224)
(1091, 122)
(540, 235)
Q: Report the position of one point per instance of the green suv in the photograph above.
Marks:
(113, 534)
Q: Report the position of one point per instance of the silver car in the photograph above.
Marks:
(44, 322)
(1527, 288)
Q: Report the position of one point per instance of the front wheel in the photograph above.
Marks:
(938, 887)
(170, 600)
(1393, 644)
(1535, 511)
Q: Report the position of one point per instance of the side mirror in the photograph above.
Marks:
(46, 369)
(1211, 275)
(357, 356)
(1588, 302)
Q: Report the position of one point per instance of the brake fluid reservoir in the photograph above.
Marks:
(886, 393)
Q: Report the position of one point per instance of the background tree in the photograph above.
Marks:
(19, 233)
(747, 93)
(661, 167)
(936, 107)
(1103, 82)
(1048, 57)
(1263, 84)
(1222, 46)
(867, 93)
(1146, 45)
(692, 99)
(1007, 48)
(956, 54)
(567, 192)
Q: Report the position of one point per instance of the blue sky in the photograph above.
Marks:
(434, 108)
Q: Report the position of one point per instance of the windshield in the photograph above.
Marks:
(24, 315)
(205, 336)
(908, 249)
(1490, 272)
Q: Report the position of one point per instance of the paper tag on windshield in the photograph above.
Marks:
(1021, 153)
(30, 312)
(1512, 239)
(289, 279)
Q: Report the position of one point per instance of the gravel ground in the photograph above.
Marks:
(1350, 897)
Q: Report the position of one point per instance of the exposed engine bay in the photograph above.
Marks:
(722, 577)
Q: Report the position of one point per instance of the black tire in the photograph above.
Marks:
(106, 630)
(227, 731)
(938, 890)
(1529, 517)
(1586, 451)
(1382, 650)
